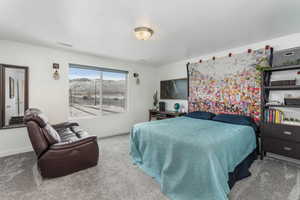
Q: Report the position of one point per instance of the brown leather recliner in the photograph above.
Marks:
(60, 149)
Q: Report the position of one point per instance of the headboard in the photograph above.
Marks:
(228, 84)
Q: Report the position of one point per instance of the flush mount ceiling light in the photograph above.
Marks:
(143, 33)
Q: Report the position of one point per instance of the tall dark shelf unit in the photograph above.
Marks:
(281, 139)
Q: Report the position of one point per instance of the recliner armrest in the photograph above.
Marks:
(65, 158)
(69, 145)
(64, 125)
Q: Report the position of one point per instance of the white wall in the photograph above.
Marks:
(178, 69)
(52, 95)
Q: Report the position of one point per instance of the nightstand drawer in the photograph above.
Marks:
(290, 149)
(281, 131)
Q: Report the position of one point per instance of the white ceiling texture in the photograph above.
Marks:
(182, 28)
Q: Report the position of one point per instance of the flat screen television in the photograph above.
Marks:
(173, 89)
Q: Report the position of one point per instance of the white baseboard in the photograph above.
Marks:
(29, 148)
(15, 151)
(110, 136)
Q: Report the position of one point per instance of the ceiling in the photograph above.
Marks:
(182, 28)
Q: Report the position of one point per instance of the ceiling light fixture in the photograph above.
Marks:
(143, 33)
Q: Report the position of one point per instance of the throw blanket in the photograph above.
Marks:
(191, 158)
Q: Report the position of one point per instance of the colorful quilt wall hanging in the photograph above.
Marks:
(229, 85)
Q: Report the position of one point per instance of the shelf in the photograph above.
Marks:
(297, 124)
(283, 68)
(287, 106)
(286, 87)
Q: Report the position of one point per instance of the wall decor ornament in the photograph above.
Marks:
(136, 76)
(176, 107)
(56, 75)
(228, 84)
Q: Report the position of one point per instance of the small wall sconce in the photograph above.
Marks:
(136, 76)
(56, 73)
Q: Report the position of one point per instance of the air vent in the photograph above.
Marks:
(65, 44)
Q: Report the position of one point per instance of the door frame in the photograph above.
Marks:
(2, 104)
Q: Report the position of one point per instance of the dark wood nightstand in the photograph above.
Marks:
(159, 115)
(280, 139)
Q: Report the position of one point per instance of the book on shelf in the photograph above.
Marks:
(273, 116)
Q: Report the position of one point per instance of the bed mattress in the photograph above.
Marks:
(191, 158)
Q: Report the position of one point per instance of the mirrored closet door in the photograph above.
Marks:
(14, 95)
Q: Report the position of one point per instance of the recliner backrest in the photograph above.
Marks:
(37, 138)
(40, 132)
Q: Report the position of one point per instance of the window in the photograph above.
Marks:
(96, 91)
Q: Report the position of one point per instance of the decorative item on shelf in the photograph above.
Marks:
(214, 58)
(292, 119)
(275, 103)
(249, 50)
(289, 63)
(155, 100)
(286, 57)
(230, 54)
(162, 106)
(56, 75)
(182, 109)
(283, 82)
(136, 76)
(176, 107)
(292, 101)
(263, 64)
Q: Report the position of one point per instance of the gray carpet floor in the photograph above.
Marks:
(115, 178)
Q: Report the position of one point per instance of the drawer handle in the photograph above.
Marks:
(287, 132)
(287, 148)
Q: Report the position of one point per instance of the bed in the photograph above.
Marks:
(193, 159)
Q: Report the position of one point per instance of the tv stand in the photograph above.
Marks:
(159, 115)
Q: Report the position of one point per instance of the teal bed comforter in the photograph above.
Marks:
(191, 158)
